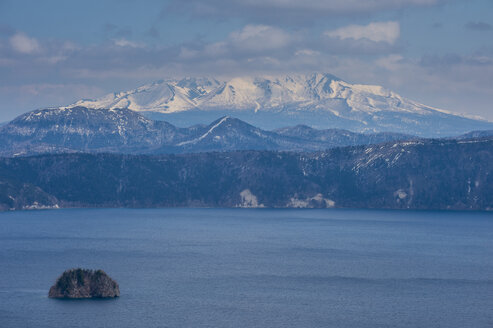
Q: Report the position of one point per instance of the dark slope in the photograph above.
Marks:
(431, 174)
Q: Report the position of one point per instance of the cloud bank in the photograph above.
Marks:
(387, 32)
(479, 26)
(288, 10)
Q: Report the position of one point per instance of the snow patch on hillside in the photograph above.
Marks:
(317, 201)
(249, 200)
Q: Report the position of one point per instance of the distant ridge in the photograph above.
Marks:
(317, 100)
(79, 129)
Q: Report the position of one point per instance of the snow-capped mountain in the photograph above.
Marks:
(318, 100)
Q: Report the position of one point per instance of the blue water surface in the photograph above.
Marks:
(251, 268)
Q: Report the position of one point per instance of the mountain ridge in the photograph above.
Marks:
(79, 129)
(318, 100)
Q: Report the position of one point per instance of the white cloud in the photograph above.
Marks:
(24, 44)
(216, 49)
(251, 39)
(387, 32)
(126, 43)
(391, 62)
(186, 53)
(307, 52)
(259, 37)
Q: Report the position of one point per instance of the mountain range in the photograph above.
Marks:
(320, 101)
(83, 157)
(112, 153)
(80, 129)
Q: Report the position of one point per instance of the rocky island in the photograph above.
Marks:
(84, 283)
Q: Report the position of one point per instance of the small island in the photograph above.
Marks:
(84, 283)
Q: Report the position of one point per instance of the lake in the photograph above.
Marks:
(251, 267)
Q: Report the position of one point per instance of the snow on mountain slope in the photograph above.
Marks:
(260, 93)
(80, 129)
(318, 100)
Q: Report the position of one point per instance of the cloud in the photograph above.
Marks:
(287, 11)
(114, 31)
(266, 44)
(251, 40)
(456, 82)
(307, 52)
(335, 5)
(387, 32)
(352, 47)
(24, 44)
(126, 43)
(253, 49)
(391, 62)
(479, 26)
(448, 61)
(259, 37)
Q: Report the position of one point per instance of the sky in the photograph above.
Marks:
(55, 52)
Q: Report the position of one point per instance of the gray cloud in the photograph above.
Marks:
(254, 48)
(361, 47)
(290, 11)
(113, 31)
(387, 32)
(448, 61)
(263, 41)
(479, 26)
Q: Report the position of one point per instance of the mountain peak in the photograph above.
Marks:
(250, 92)
(319, 100)
(230, 122)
